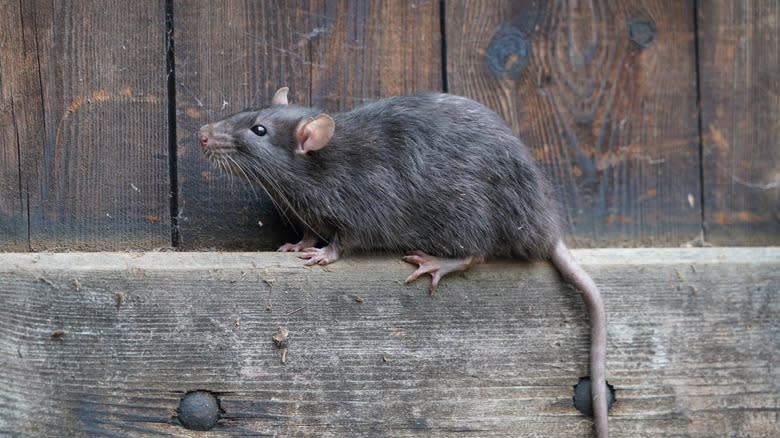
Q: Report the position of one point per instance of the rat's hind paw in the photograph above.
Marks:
(320, 256)
(438, 267)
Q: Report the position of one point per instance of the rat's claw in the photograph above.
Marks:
(293, 247)
(425, 267)
(306, 242)
(418, 258)
(418, 272)
(319, 256)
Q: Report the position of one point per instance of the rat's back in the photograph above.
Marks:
(442, 174)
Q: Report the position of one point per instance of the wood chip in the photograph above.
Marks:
(280, 339)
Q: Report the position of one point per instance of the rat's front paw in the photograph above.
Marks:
(320, 256)
(305, 243)
(291, 247)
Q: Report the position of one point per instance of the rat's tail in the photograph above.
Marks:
(574, 274)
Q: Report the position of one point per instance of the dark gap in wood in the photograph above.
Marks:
(697, 60)
(170, 61)
(443, 30)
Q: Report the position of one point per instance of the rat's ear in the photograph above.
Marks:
(314, 134)
(280, 97)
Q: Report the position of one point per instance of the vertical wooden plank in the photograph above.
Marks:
(333, 54)
(604, 93)
(739, 69)
(369, 50)
(101, 172)
(229, 58)
(21, 123)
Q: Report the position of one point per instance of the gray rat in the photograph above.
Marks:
(437, 176)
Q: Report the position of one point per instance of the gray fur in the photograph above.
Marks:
(426, 172)
(432, 172)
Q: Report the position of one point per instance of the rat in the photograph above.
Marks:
(436, 176)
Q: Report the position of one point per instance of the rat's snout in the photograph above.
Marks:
(214, 140)
(204, 135)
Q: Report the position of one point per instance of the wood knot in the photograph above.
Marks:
(641, 32)
(507, 54)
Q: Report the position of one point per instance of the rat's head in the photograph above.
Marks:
(278, 134)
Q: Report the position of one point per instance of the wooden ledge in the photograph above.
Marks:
(109, 343)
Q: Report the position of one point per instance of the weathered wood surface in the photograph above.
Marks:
(227, 59)
(85, 162)
(739, 52)
(694, 345)
(20, 118)
(333, 54)
(590, 88)
(363, 51)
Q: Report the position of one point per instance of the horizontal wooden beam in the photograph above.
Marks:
(109, 343)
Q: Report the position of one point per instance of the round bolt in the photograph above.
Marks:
(198, 410)
(582, 399)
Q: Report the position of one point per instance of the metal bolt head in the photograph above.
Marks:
(582, 399)
(198, 410)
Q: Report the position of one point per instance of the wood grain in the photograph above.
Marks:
(604, 94)
(693, 345)
(739, 60)
(333, 54)
(96, 172)
(229, 58)
(369, 50)
(21, 122)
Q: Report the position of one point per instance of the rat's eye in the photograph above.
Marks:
(259, 130)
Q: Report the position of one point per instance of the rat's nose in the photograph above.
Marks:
(204, 134)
